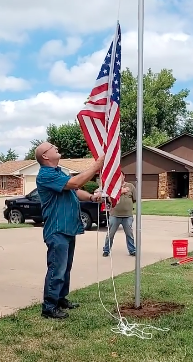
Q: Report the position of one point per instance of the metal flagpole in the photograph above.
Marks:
(139, 150)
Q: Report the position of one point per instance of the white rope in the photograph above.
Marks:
(123, 326)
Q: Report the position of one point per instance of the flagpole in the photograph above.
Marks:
(139, 150)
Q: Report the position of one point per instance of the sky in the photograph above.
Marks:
(51, 53)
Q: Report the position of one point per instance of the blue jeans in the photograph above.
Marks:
(59, 263)
(114, 223)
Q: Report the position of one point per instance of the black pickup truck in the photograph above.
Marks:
(28, 207)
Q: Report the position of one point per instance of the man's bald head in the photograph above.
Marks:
(47, 154)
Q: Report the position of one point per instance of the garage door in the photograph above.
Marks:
(149, 185)
(30, 184)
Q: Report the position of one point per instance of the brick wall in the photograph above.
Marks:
(190, 185)
(13, 185)
(167, 185)
(162, 187)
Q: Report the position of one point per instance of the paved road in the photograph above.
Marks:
(23, 258)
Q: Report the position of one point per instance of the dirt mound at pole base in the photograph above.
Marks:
(150, 309)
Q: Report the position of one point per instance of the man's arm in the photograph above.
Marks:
(134, 194)
(78, 181)
(86, 196)
(58, 181)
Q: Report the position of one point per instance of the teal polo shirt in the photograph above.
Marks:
(60, 208)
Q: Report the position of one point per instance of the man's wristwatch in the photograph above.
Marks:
(91, 198)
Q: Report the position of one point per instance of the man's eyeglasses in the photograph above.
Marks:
(49, 149)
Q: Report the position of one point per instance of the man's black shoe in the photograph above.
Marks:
(132, 254)
(66, 304)
(56, 313)
(105, 254)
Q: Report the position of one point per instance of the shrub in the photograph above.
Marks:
(90, 186)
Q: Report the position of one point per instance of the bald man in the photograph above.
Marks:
(60, 195)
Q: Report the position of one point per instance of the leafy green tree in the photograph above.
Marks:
(165, 115)
(31, 153)
(156, 138)
(11, 155)
(69, 139)
(163, 110)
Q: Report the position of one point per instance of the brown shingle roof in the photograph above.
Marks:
(9, 167)
(171, 156)
(168, 155)
(79, 165)
(175, 138)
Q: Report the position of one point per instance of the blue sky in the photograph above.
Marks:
(50, 57)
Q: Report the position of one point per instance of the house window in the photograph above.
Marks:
(3, 182)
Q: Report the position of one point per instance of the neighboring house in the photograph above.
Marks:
(167, 170)
(19, 177)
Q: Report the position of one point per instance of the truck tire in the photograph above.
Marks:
(86, 220)
(16, 217)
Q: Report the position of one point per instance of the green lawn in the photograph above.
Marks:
(178, 207)
(86, 336)
(14, 226)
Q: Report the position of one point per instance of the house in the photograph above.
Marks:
(19, 177)
(167, 170)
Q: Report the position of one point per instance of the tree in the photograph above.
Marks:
(10, 156)
(156, 138)
(69, 139)
(31, 153)
(187, 124)
(163, 110)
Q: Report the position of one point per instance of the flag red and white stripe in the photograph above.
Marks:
(100, 119)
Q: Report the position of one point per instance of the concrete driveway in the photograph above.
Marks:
(23, 258)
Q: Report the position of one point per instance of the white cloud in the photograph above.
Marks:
(56, 49)
(13, 84)
(17, 17)
(168, 43)
(23, 120)
(166, 50)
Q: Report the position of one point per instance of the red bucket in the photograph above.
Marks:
(180, 248)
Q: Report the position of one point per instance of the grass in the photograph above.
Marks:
(177, 207)
(86, 336)
(14, 226)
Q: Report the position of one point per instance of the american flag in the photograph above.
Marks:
(100, 119)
